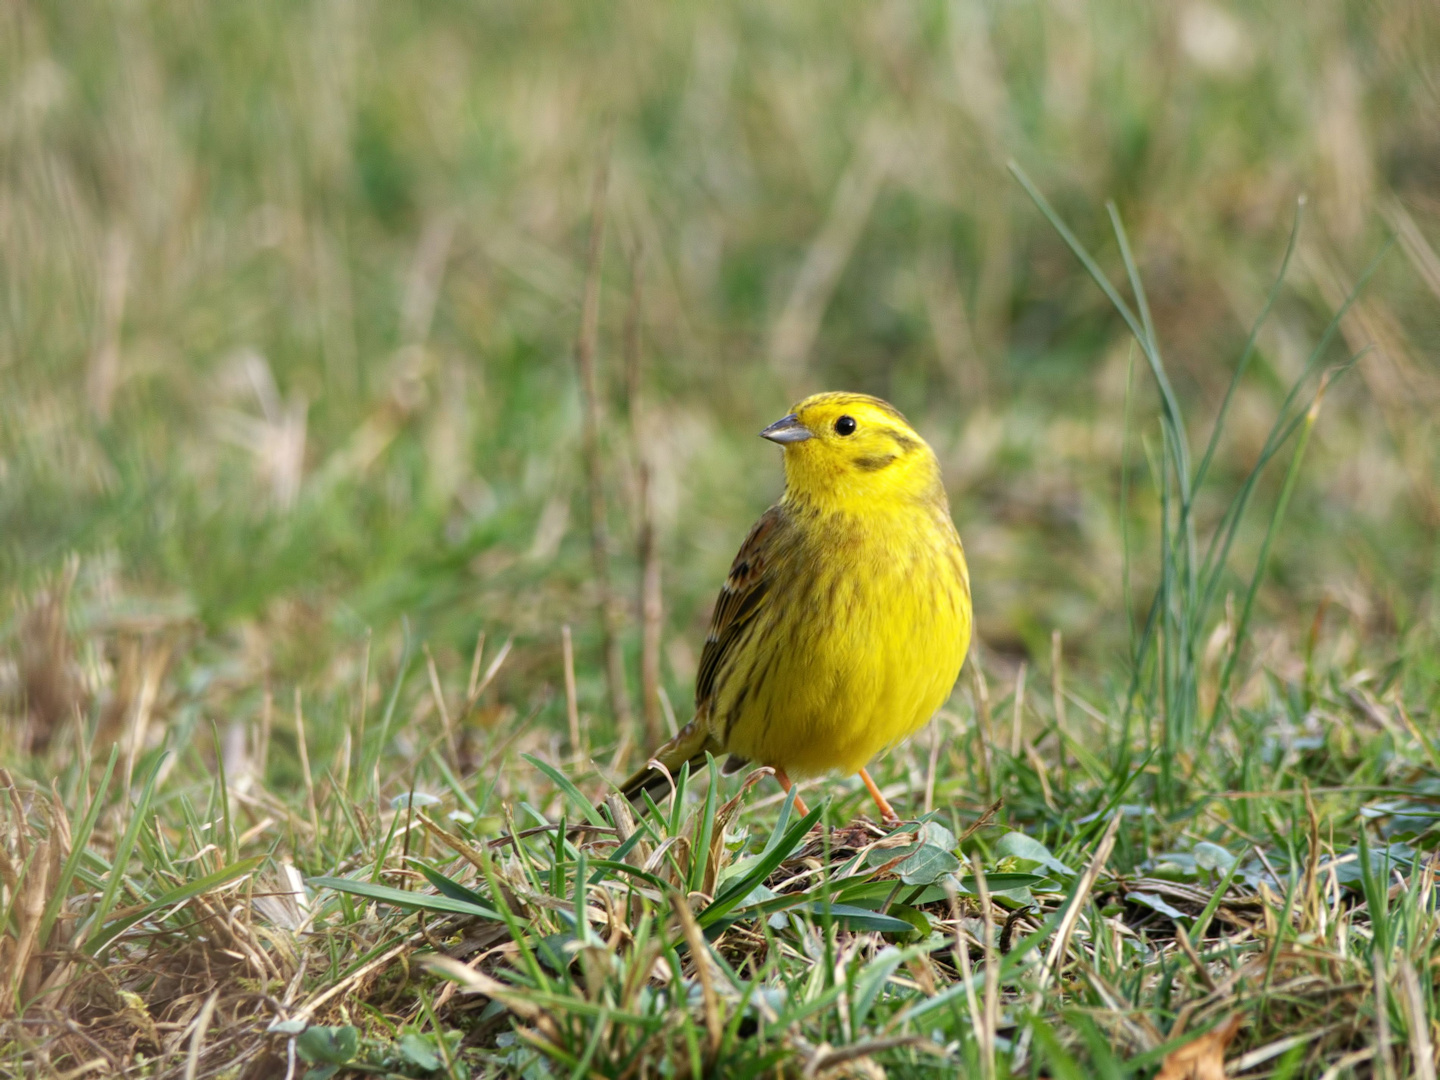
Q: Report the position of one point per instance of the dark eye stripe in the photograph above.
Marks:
(905, 442)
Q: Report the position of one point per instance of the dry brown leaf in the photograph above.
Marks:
(1202, 1059)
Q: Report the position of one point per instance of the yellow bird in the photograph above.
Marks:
(846, 616)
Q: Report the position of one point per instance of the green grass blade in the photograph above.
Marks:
(611, 866)
(700, 855)
(409, 901)
(560, 780)
(617, 856)
(1292, 475)
(677, 801)
(1247, 353)
(734, 893)
(226, 874)
(407, 657)
(452, 889)
(1174, 417)
(79, 844)
(1080, 252)
(846, 915)
(1151, 348)
(125, 847)
(1202, 921)
(1284, 424)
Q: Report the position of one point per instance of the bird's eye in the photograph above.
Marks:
(845, 425)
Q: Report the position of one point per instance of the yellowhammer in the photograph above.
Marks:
(845, 619)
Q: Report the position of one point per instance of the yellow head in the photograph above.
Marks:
(852, 452)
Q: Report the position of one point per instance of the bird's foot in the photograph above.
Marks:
(787, 784)
(888, 816)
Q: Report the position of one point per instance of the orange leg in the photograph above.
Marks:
(800, 807)
(887, 812)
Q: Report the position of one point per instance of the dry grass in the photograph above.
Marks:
(1251, 905)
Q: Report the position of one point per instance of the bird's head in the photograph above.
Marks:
(845, 450)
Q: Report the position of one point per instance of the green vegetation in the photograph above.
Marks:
(303, 776)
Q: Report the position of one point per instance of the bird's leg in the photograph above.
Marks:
(887, 812)
(800, 807)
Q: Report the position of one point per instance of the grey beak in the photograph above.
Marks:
(787, 429)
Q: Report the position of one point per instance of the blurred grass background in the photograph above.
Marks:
(291, 291)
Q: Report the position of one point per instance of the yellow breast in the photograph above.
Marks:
(860, 644)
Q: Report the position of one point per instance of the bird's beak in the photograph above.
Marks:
(787, 429)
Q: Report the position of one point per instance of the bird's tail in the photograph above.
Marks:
(691, 745)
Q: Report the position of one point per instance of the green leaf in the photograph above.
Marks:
(1062, 1065)
(918, 922)
(936, 835)
(1014, 898)
(328, 1045)
(413, 798)
(400, 898)
(1210, 856)
(1020, 846)
(927, 865)
(1155, 902)
(419, 1051)
(872, 979)
(865, 893)
(1004, 883)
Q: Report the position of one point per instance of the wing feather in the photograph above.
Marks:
(742, 597)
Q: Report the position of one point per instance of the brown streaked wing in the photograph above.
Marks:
(745, 589)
